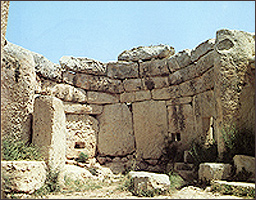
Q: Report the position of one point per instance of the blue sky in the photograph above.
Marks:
(101, 30)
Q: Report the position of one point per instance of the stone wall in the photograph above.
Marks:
(127, 110)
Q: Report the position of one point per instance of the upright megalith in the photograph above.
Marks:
(234, 82)
(49, 130)
(18, 85)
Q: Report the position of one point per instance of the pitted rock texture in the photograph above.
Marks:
(150, 128)
(23, 176)
(146, 53)
(116, 134)
(83, 65)
(82, 133)
(122, 70)
(49, 128)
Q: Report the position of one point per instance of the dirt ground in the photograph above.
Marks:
(111, 192)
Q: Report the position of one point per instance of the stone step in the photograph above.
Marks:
(183, 166)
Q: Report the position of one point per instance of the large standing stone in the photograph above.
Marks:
(83, 65)
(17, 92)
(150, 128)
(146, 53)
(234, 89)
(82, 132)
(23, 176)
(116, 134)
(49, 130)
(181, 123)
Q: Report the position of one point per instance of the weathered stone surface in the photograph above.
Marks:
(76, 173)
(83, 65)
(246, 162)
(165, 93)
(132, 85)
(203, 110)
(18, 83)
(63, 91)
(116, 134)
(23, 176)
(150, 83)
(46, 68)
(235, 81)
(214, 171)
(179, 60)
(181, 121)
(202, 49)
(177, 101)
(49, 130)
(122, 70)
(76, 108)
(148, 181)
(146, 53)
(154, 68)
(101, 98)
(93, 82)
(82, 133)
(135, 96)
(150, 128)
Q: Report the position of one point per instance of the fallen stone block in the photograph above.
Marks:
(23, 176)
(148, 182)
(214, 171)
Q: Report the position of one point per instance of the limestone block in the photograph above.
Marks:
(155, 82)
(148, 181)
(154, 68)
(76, 173)
(214, 171)
(93, 82)
(181, 121)
(202, 49)
(18, 83)
(83, 65)
(183, 74)
(177, 101)
(146, 53)
(116, 134)
(150, 128)
(246, 162)
(23, 176)
(122, 70)
(130, 97)
(101, 98)
(166, 93)
(132, 85)
(81, 136)
(63, 91)
(49, 130)
(46, 68)
(205, 63)
(76, 108)
(179, 60)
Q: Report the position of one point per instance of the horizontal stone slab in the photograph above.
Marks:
(179, 60)
(63, 91)
(177, 101)
(76, 108)
(83, 65)
(202, 49)
(91, 82)
(150, 83)
(132, 85)
(155, 67)
(135, 96)
(122, 70)
(101, 98)
(146, 53)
